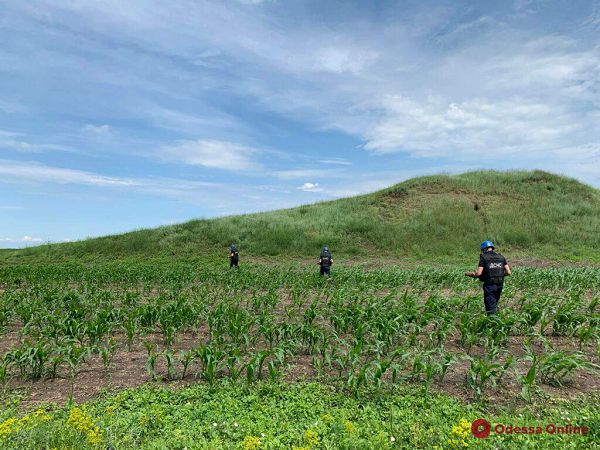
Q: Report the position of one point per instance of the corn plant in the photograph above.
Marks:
(262, 319)
(568, 316)
(169, 360)
(379, 368)
(185, 359)
(255, 366)
(74, 356)
(274, 371)
(234, 364)
(151, 359)
(130, 325)
(107, 353)
(5, 364)
(555, 367)
(211, 360)
(33, 359)
(357, 379)
(399, 359)
(481, 372)
(528, 384)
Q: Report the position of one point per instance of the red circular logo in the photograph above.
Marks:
(481, 428)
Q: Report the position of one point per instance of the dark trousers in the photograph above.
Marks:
(233, 262)
(491, 297)
(325, 270)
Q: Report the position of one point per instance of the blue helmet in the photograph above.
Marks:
(325, 248)
(487, 244)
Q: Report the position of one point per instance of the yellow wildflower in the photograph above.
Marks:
(327, 418)
(349, 427)
(41, 416)
(312, 438)
(13, 425)
(144, 420)
(81, 421)
(8, 427)
(251, 443)
(459, 434)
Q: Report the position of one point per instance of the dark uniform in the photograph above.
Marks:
(493, 279)
(234, 257)
(325, 261)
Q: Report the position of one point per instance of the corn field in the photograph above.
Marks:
(364, 329)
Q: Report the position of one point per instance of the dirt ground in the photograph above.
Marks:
(128, 369)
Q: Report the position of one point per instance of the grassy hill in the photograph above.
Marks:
(534, 215)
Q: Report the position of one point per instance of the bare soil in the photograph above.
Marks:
(128, 369)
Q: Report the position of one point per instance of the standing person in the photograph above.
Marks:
(325, 261)
(234, 256)
(491, 270)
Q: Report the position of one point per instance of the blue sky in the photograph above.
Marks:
(120, 115)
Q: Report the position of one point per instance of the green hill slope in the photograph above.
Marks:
(529, 214)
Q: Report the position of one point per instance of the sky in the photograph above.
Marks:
(119, 115)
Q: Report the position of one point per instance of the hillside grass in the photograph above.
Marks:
(534, 215)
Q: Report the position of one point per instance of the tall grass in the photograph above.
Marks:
(533, 214)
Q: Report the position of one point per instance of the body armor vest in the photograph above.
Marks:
(493, 272)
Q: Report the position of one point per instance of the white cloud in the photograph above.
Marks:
(336, 161)
(310, 187)
(22, 240)
(398, 89)
(212, 153)
(11, 107)
(426, 83)
(466, 129)
(97, 129)
(343, 58)
(172, 119)
(593, 19)
(9, 133)
(28, 147)
(254, 2)
(293, 174)
(33, 173)
(545, 62)
(26, 241)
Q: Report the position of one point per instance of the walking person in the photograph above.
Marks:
(491, 270)
(234, 257)
(325, 261)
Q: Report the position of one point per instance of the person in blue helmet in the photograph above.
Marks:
(234, 257)
(491, 270)
(325, 261)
